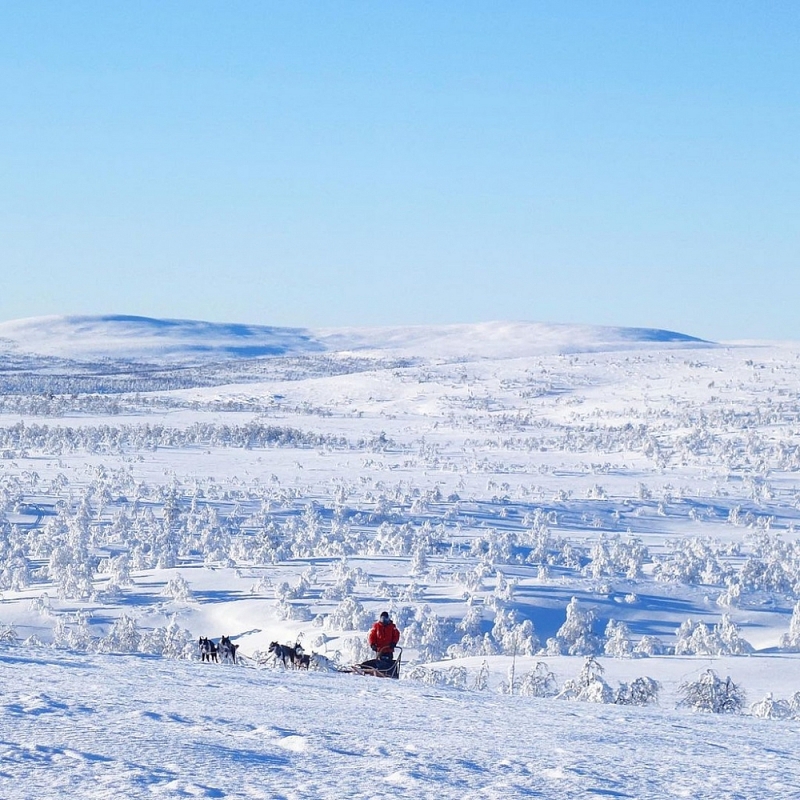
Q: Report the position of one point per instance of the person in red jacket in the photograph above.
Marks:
(383, 637)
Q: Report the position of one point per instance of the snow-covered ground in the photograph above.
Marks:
(94, 726)
(520, 496)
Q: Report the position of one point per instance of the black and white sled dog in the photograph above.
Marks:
(295, 656)
(302, 660)
(208, 649)
(227, 649)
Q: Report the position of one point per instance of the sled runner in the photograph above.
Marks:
(381, 667)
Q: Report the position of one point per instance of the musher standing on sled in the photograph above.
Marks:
(383, 638)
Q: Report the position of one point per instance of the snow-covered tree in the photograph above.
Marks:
(618, 642)
(538, 682)
(713, 694)
(640, 692)
(791, 640)
(482, 678)
(723, 638)
(73, 634)
(349, 615)
(178, 589)
(429, 633)
(575, 636)
(457, 677)
(512, 637)
(118, 570)
(71, 569)
(296, 612)
(419, 562)
(8, 634)
(649, 646)
(124, 636)
(589, 686)
(770, 708)
(731, 639)
(354, 650)
(170, 641)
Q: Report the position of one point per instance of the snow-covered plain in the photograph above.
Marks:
(162, 480)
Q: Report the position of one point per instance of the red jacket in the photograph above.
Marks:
(383, 636)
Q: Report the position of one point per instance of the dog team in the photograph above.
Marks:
(211, 651)
(288, 655)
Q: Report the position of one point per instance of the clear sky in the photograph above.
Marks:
(362, 163)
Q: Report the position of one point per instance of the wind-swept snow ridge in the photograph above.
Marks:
(147, 339)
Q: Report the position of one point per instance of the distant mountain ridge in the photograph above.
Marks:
(138, 338)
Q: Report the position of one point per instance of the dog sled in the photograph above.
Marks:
(384, 666)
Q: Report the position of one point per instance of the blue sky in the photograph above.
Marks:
(363, 163)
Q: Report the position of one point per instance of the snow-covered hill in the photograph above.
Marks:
(521, 497)
(146, 339)
(133, 727)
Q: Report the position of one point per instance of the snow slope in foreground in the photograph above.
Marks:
(142, 339)
(135, 727)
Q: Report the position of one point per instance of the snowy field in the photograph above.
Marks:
(94, 726)
(570, 526)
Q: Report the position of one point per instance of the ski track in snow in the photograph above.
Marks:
(124, 726)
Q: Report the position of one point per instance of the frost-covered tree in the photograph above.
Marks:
(513, 637)
(791, 641)
(618, 642)
(600, 562)
(693, 561)
(8, 634)
(124, 636)
(731, 639)
(412, 592)
(732, 595)
(649, 646)
(215, 542)
(470, 625)
(419, 562)
(713, 694)
(575, 636)
(354, 650)
(42, 605)
(15, 570)
(693, 638)
(429, 633)
(349, 615)
(538, 682)
(73, 634)
(482, 678)
(589, 686)
(457, 677)
(170, 641)
(342, 588)
(698, 639)
(472, 579)
(503, 593)
(71, 571)
(119, 571)
(770, 708)
(640, 692)
(296, 612)
(178, 589)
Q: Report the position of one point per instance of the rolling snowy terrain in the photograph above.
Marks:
(533, 503)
